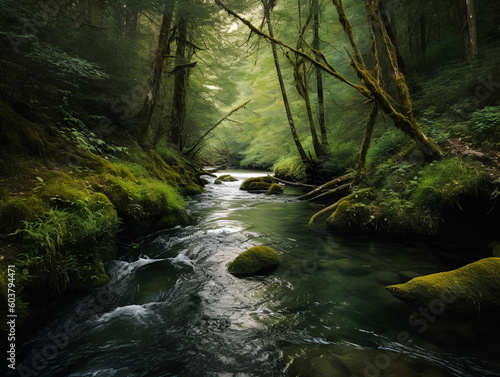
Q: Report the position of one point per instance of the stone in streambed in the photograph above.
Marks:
(261, 184)
(258, 260)
(227, 178)
(471, 290)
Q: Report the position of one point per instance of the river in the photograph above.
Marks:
(172, 309)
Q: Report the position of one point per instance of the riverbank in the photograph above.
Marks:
(66, 197)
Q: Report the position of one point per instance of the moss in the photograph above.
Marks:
(290, 168)
(94, 275)
(15, 210)
(257, 184)
(22, 136)
(143, 201)
(275, 188)
(255, 261)
(227, 178)
(470, 290)
(218, 182)
(441, 182)
(351, 218)
(161, 170)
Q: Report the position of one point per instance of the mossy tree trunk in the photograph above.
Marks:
(301, 83)
(400, 111)
(181, 76)
(470, 32)
(268, 5)
(319, 77)
(366, 143)
(161, 55)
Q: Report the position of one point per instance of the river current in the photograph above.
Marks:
(172, 309)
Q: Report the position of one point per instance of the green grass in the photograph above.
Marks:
(291, 168)
(442, 182)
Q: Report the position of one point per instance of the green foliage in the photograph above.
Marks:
(485, 124)
(390, 143)
(441, 183)
(67, 243)
(290, 168)
(141, 201)
(14, 210)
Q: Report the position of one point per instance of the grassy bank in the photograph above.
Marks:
(64, 201)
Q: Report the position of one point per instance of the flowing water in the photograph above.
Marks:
(172, 309)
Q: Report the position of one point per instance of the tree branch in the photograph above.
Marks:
(215, 125)
(324, 67)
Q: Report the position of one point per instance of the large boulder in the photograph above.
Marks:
(471, 290)
(227, 178)
(258, 260)
(261, 184)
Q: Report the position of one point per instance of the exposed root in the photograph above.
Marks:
(328, 209)
(298, 184)
(328, 185)
(329, 192)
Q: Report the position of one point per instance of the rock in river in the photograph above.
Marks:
(227, 178)
(262, 184)
(257, 260)
(471, 290)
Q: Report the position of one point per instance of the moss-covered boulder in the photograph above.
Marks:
(468, 291)
(218, 182)
(227, 178)
(258, 260)
(275, 189)
(261, 184)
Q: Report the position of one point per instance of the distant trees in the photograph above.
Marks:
(372, 84)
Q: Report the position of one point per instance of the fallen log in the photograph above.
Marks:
(297, 184)
(327, 185)
(328, 209)
(329, 192)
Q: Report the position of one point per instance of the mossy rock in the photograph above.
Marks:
(258, 260)
(218, 182)
(352, 218)
(471, 290)
(261, 184)
(227, 178)
(275, 189)
(15, 210)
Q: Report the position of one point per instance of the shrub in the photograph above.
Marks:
(485, 124)
(440, 183)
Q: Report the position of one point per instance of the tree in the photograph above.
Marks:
(181, 72)
(268, 6)
(399, 109)
(157, 71)
(319, 77)
(470, 32)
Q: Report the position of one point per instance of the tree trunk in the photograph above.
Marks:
(366, 142)
(470, 32)
(319, 78)
(303, 155)
(300, 76)
(181, 72)
(149, 104)
(401, 113)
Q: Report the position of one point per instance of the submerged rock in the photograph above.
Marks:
(262, 184)
(257, 260)
(227, 178)
(468, 291)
